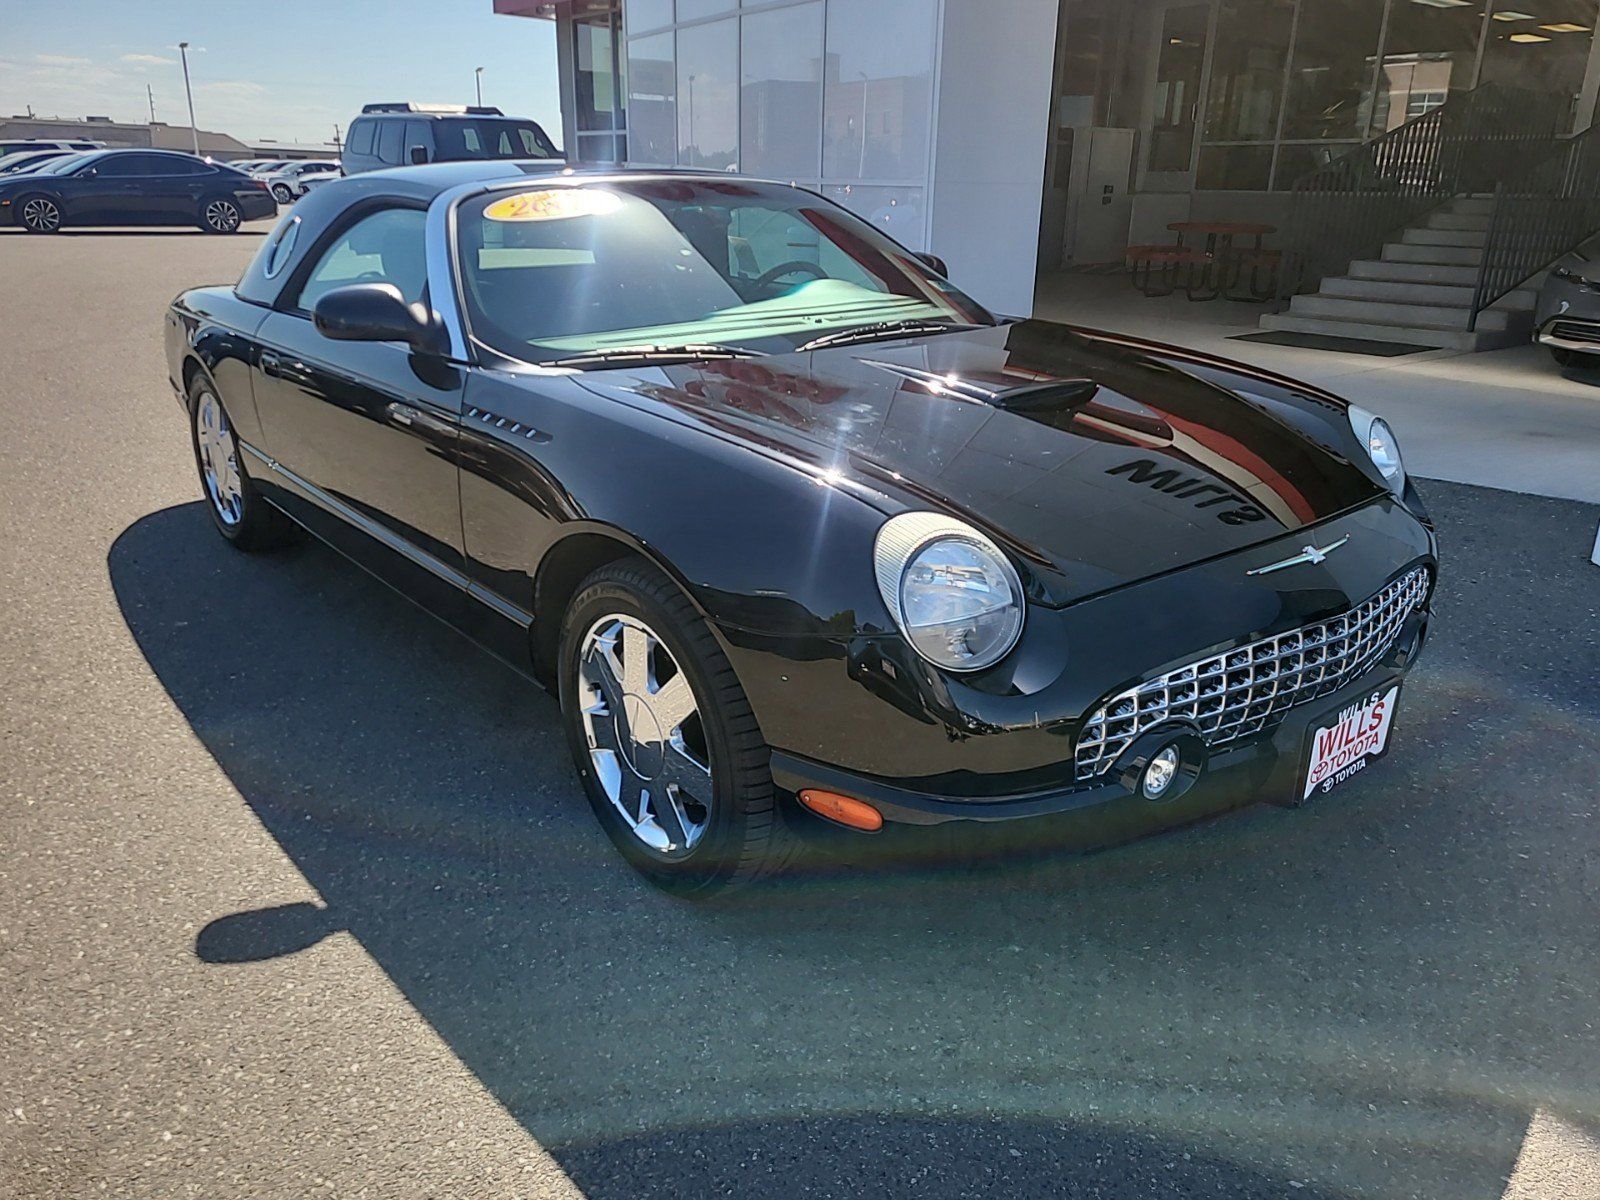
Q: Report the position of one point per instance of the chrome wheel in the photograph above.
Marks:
(219, 460)
(646, 740)
(41, 215)
(282, 194)
(222, 216)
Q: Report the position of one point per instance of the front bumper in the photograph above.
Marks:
(1581, 335)
(1265, 767)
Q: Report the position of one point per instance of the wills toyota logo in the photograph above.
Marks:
(1308, 554)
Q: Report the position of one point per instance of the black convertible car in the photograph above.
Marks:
(797, 530)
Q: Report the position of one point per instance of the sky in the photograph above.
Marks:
(288, 70)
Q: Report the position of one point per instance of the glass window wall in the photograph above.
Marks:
(780, 131)
(653, 100)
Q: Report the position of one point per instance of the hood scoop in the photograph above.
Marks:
(1011, 392)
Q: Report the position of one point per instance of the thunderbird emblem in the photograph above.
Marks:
(1308, 554)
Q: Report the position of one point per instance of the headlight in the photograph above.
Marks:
(951, 590)
(1374, 434)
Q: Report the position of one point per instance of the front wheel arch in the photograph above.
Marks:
(565, 565)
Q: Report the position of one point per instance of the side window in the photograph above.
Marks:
(390, 136)
(360, 139)
(121, 166)
(416, 138)
(383, 247)
(176, 165)
(282, 248)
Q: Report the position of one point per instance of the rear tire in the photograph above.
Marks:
(220, 215)
(39, 214)
(734, 833)
(241, 516)
(282, 194)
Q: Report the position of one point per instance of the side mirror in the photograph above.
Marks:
(375, 312)
(419, 155)
(935, 264)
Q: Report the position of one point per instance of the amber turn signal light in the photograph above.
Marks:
(857, 814)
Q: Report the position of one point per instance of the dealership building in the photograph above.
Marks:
(1017, 137)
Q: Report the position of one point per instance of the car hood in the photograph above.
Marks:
(1096, 462)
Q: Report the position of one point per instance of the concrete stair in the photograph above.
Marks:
(1419, 291)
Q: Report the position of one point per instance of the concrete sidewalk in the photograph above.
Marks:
(1501, 418)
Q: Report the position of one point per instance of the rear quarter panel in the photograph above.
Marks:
(212, 330)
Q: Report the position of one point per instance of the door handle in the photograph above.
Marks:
(291, 372)
(414, 418)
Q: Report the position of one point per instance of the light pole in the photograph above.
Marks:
(194, 132)
(477, 77)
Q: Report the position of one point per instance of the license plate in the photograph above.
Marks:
(1349, 739)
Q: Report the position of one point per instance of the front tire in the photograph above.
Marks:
(39, 214)
(241, 516)
(662, 734)
(220, 215)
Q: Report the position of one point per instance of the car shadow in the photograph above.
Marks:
(1373, 992)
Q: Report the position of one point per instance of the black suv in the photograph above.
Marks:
(402, 135)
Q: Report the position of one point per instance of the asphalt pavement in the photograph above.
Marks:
(298, 895)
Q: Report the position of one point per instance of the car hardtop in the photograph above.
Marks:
(419, 186)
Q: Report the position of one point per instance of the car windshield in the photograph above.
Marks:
(583, 269)
(490, 137)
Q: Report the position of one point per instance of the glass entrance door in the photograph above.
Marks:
(1180, 58)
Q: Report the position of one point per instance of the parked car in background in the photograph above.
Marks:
(408, 134)
(267, 166)
(796, 530)
(248, 165)
(310, 183)
(284, 181)
(133, 187)
(17, 145)
(25, 160)
(1567, 317)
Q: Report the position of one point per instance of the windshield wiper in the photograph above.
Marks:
(653, 355)
(881, 330)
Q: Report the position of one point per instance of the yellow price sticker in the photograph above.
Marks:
(553, 204)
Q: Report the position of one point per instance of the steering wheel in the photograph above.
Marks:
(768, 278)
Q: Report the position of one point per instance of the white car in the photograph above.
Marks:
(72, 145)
(285, 183)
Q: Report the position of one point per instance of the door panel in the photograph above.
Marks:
(368, 423)
(103, 198)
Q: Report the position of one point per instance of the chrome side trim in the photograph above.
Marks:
(385, 537)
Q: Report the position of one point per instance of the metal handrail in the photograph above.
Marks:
(1351, 206)
(1550, 206)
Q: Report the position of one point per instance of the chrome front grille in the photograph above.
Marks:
(1247, 690)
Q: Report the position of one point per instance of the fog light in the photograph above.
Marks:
(1163, 763)
(1160, 773)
